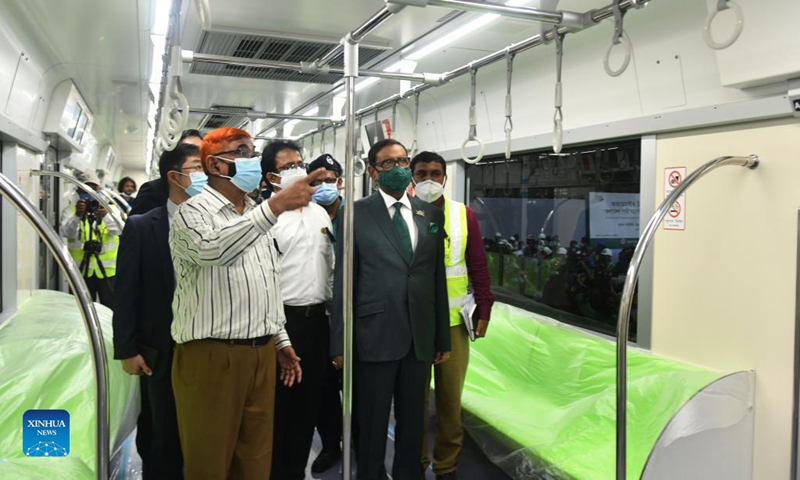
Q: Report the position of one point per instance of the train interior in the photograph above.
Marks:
(642, 328)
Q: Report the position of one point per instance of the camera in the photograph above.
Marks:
(92, 206)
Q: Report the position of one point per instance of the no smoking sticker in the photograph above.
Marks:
(676, 215)
(675, 210)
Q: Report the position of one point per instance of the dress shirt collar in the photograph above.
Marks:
(390, 200)
(172, 208)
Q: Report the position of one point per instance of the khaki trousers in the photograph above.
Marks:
(449, 382)
(224, 396)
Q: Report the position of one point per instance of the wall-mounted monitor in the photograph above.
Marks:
(69, 117)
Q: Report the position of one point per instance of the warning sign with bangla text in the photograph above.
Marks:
(676, 215)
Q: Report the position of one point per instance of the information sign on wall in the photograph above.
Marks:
(676, 215)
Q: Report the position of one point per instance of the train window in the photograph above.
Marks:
(559, 229)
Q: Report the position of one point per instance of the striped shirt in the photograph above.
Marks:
(227, 273)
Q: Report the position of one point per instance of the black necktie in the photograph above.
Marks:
(402, 231)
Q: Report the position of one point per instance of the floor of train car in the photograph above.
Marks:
(473, 464)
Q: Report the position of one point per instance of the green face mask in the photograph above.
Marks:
(396, 179)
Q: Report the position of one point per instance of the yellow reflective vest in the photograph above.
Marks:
(108, 253)
(455, 221)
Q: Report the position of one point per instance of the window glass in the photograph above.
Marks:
(559, 230)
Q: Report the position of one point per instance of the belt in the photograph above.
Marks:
(307, 311)
(250, 342)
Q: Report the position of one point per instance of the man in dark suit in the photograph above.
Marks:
(154, 193)
(143, 313)
(400, 319)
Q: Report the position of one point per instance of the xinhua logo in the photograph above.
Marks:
(45, 433)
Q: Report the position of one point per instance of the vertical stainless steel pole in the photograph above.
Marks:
(645, 239)
(56, 246)
(350, 75)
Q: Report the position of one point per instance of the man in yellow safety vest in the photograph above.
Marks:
(467, 281)
(93, 242)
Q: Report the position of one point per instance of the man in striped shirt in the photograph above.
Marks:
(228, 313)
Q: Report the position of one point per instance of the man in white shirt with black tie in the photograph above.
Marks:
(228, 316)
(303, 239)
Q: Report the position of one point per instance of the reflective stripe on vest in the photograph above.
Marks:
(108, 253)
(455, 220)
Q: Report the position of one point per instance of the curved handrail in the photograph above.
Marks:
(623, 319)
(13, 194)
(85, 188)
(112, 195)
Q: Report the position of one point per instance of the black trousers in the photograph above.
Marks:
(101, 288)
(375, 385)
(157, 438)
(297, 407)
(329, 421)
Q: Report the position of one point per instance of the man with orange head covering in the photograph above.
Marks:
(228, 313)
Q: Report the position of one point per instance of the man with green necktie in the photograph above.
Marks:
(401, 320)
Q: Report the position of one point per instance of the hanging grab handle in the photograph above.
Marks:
(359, 167)
(558, 116)
(394, 119)
(509, 124)
(724, 5)
(620, 37)
(204, 13)
(414, 146)
(378, 128)
(333, 125)
(473, 124)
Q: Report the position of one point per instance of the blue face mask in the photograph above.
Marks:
(326, 194)
(198, 179)
(245, 173)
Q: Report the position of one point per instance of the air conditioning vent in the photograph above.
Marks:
(271, 48)
(221, 120)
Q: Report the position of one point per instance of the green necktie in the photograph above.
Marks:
(402, 231)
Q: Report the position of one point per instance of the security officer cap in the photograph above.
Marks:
(327, 162)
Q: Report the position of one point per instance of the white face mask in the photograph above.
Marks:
(290, 176)
(429, 191)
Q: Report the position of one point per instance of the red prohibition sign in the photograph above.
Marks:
(675, 210)
(674, 178)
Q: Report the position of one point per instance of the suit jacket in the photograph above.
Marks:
(151, 195)
(143, 289)
(395, 302)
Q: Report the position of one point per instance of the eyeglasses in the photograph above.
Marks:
(196, 168)
(292, 166)
(242, 152)
(329, 181)
(389, 163)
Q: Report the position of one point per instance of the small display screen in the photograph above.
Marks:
(81, 128)
(71, 116)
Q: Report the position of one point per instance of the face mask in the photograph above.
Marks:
(326, 194)
(429, 191)
(245, 173)
(198, 179)
(396, 179)
(290, 176)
